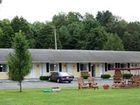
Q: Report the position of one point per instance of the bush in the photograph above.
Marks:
(44, 77)
(127, 76)
(105, 76)
(85, 74)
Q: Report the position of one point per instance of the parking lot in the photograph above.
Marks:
(8, 84)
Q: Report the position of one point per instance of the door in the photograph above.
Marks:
(93, 70)
(69, 69)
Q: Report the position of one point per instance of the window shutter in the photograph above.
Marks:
(77, 67)
(89, 67)
(47, 67)
(128, 65)
(60, 67)
(105, 66)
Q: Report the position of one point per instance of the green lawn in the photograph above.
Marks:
(71, 97)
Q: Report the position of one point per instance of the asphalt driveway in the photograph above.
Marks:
(8, 84)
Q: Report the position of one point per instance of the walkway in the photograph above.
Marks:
(8, 84)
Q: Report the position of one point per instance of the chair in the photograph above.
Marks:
(92, 83)
(135, 81)
(81, 83)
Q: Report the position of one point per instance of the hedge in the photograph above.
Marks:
(44, 77)
(105, 76)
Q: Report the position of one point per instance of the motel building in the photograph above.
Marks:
(75, 61)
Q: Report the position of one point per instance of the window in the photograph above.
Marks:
(109, 66)
(123, 65)
(83, 67)
(117, 65)
(134, 65)
(54, 67)
(3, 68)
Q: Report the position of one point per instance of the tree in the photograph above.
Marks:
(60, 20)
(19, 61)
(113, 42)
(131, 41)
(96, 39)
(64, 36)
(22, 24)
(6, 34)
(90, 22)
(106, 19)
(36, 28)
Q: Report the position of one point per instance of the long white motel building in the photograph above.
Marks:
(74, 62)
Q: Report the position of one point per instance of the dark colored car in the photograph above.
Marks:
(61, 77)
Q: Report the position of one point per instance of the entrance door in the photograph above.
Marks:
(69, 68)
(93, 70)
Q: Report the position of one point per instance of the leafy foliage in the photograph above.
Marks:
(105, 76)
(74, 31)
(19, 61)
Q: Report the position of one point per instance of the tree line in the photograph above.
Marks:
(75, 31)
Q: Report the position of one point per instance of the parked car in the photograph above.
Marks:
(61, 77)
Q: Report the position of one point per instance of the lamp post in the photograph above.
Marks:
(55, 39)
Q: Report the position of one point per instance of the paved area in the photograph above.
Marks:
(8, 84)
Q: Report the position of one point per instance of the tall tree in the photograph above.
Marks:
(76, 35)
(64, 36)
(36, 28)
(131, 41)
(60, 20)
(113, 42)
(6, 34)
(106, 19)
(90, 22)
(19, 23)
(19, 61)
(96, 39)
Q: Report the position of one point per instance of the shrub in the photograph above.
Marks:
(105, 76)
(127, 76)
(44, 77)
(85, 74)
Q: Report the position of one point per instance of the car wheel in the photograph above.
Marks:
(58, 80)
(69, 81)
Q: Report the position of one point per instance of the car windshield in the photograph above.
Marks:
(64, 74)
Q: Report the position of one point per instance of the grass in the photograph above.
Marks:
(71, 97)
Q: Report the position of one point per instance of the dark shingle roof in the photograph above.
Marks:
(79, 56)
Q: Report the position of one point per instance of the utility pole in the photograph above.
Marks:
(55, 39)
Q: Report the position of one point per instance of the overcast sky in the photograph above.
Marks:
(44, 10)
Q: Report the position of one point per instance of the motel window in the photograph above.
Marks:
(117, 65)
(3, 68)
(134, 65)
(54, 67)
(83, 67)
(51, 67)
(123, 65)
(109, 66)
